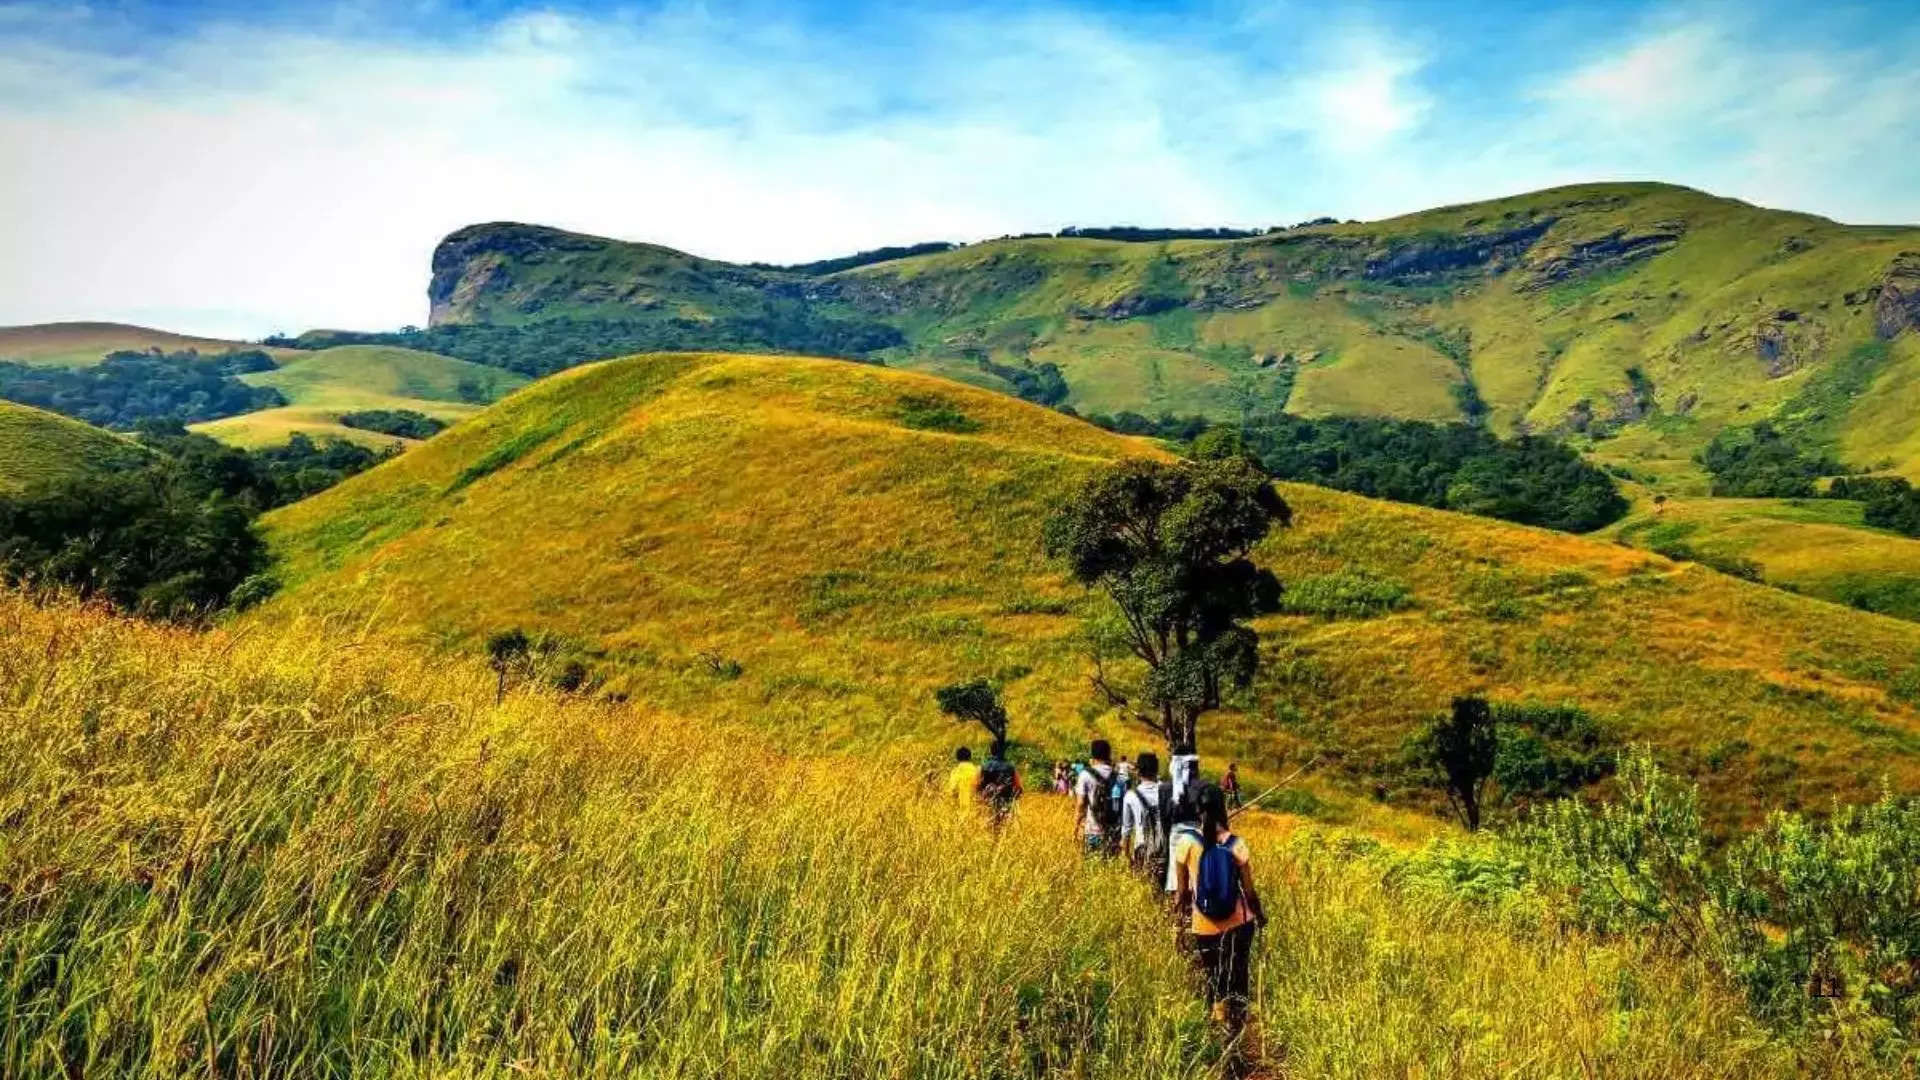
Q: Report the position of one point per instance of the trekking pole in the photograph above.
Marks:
(1291, 777)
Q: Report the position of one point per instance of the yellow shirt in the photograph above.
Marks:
(963, 783)
(1186, 853)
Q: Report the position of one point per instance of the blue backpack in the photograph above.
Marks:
(1217, 896)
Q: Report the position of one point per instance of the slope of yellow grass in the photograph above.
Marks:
(765, 541)
(297, 852)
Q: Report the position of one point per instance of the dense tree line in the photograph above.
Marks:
(1891, 502)
(823, 267)
(1760, 462)
(405, 423)
(1531, 480)
(1040, 383)
(1137, 234)
(550, 345)
(128, 387)
(172, 535)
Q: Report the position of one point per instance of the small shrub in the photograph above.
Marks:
(931, 412)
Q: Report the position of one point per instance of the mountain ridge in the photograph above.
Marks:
(1635, 318)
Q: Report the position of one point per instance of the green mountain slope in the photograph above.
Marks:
(321, 385)
(772, 541)
(37, 446)
(1642, 317)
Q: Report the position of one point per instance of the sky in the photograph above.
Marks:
(238, 169)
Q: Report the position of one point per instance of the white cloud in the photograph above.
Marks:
(243, 179)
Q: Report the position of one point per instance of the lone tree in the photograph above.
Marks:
(979, 703)
(1462, 747)
(505, 649)
(1169, 543)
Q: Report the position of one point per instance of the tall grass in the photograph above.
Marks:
(287, 854)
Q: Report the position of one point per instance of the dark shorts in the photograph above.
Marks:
(1226, 960)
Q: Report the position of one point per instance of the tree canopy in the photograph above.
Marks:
(1169, 542)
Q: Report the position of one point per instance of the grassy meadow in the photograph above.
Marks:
(323, 384)
(38, 447)
(300, 851)
(766, 542)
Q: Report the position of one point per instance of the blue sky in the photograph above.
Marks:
(239, 168)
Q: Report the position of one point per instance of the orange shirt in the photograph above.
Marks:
(1186, 853)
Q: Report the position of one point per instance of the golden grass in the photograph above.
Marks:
(299, 852)
(657, 512)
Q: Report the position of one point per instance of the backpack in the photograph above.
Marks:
(997, 782)
(1218, 894)
(1106, 812)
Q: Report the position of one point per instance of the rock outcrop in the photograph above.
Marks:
(1898, 306)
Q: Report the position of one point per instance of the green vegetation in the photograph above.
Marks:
(1169, 545)
(1760, 462)
(1344, 594)
(404, 423)
(125, 388)
(1456, 466)
(169, 532)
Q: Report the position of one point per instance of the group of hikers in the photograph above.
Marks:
(1176, 831)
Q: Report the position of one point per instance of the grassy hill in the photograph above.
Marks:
(321, 385)
(37, 446)
(289, 852)
(79, 344)
(1640, 317)
(773, 542)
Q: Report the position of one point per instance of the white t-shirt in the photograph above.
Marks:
(1185, 771)
(1137, 810)
(1095, 783)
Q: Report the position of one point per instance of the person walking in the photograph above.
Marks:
(1096, 816)
(1214, 880)
(1230, 785)
(963, 781)
(1060, 785)
(1142, 819)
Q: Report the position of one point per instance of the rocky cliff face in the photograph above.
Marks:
(1898, 306)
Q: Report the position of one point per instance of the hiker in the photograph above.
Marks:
(1185, 818)
(1230, 785)
(999, 783)
(1095, 817)
(1141, 819)
(1122, 783)
(963, 783)
(1060, 784)
(1214, 878)
(1183, 769)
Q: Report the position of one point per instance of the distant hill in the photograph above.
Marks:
(37, 446)
(1636, 319)
(321, 385)
(79, 344)
(771, 540)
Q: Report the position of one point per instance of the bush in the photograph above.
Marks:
(1817, 921)
(405, 423)
(931, 412)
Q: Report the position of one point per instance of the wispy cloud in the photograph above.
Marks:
(286, 174)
